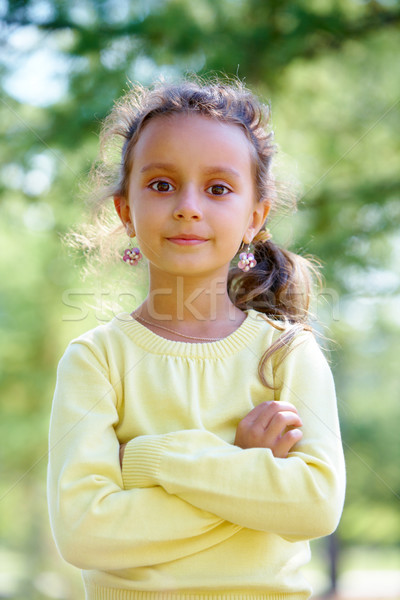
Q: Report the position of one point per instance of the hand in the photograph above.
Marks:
(121, 453)
(270, 425)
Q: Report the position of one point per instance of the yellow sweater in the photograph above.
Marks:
(191, 516)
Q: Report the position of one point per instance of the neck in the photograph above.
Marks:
(193, 305)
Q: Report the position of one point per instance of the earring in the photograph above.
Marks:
(131, 255)
(247, 260)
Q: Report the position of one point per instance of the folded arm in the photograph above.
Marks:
(96, 522)
(297, 497)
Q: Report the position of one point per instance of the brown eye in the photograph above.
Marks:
(218, 190)
(161, 186)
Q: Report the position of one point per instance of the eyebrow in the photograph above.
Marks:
(168, 166)
(208, 170)
(222, 169)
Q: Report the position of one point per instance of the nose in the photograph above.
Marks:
(188, 205)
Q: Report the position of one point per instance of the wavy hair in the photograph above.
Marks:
(281, 283)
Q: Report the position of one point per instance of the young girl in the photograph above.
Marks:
(194, 443)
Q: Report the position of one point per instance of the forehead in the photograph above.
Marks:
(194, 137)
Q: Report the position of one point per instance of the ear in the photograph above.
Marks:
(122, 207)
(256, 221)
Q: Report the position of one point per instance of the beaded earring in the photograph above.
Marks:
(131, 255)
(247, 260)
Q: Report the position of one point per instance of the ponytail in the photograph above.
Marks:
(280, 286)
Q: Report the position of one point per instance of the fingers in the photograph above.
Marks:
(281, 433)
(121, 453)
(271, 425)
(280, 421)
(283, 445)
(263, 413)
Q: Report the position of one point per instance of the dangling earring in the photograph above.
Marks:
(131, 255)
(247, 260)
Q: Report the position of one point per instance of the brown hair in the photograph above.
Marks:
(280, 285)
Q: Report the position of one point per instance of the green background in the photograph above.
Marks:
(331, 72)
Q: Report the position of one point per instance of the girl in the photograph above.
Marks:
(194, 443)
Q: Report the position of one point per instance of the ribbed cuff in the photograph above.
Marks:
(141, 462)
(95, 592)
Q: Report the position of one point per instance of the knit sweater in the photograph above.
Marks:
(190, 515)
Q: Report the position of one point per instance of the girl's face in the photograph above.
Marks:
(192, 196)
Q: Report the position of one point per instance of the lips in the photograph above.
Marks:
(187, 239)
(187, 236)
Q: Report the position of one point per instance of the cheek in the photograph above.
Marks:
(232, 237)
(149, 229)
(141, 214)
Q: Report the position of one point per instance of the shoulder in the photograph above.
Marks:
(301, 359)
(289, 334)
(288, 342)
(99, 344)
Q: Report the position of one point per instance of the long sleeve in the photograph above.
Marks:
(299, 497)
(97, 524)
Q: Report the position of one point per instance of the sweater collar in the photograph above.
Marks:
(157, 344)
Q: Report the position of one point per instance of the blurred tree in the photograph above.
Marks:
(330, 68)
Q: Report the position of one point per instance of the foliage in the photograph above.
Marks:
(330, 69)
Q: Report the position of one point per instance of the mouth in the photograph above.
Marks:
(187, 239)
